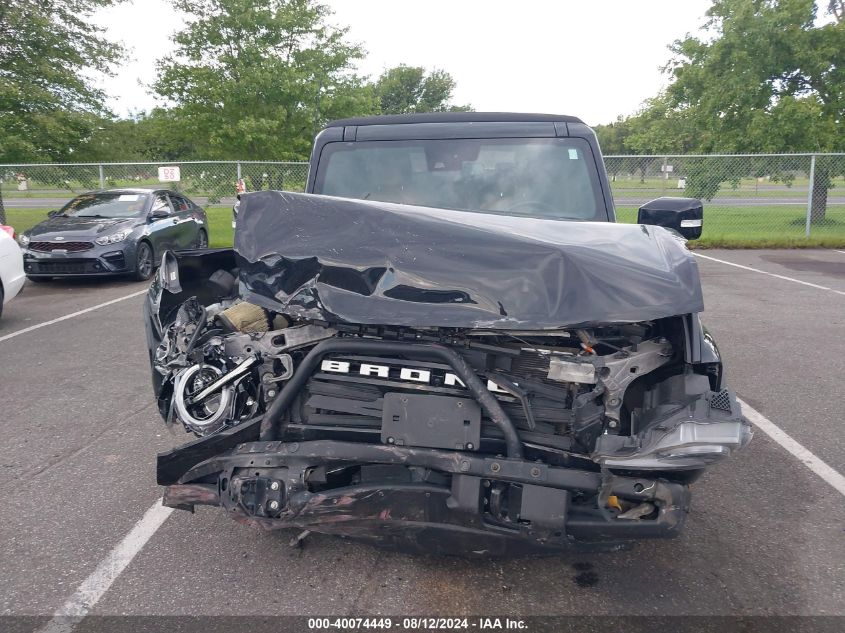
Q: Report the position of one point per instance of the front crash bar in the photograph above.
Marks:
(280, 454)
(272, 424)
(672, 499)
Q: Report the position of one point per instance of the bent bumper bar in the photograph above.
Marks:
(474, 503)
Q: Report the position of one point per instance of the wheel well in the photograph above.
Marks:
(152, 250)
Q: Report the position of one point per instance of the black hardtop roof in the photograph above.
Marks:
(453, 117)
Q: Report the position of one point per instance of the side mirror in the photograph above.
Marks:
(684, 215)
(158, 214)
(53, 213)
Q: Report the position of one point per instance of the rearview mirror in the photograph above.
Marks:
(161, 212)
(53, 213)
(684, 215)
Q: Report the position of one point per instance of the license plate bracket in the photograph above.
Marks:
(431, 421)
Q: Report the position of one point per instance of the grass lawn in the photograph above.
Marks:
(22, 219)
(623, 191)
(776, 226)
(219, 226)
(780, 226)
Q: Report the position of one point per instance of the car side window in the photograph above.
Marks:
(161, 204)
(179, 203)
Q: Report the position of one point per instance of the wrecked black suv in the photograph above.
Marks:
(453, 348)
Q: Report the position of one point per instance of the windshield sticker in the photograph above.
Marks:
(132, 197)
(573, 153)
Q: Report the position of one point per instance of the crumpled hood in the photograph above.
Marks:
(77, 228)
(377, 263)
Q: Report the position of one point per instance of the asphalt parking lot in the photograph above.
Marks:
(766, 535)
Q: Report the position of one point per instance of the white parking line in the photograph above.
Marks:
(92, 588)
(763, 272)
(843, 252)
(71, 315)
(818, 466)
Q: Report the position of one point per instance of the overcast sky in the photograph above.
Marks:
(594, 60)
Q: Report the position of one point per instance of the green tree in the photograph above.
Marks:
(658, 128)
(766, 76)
(255, 79)
(406, 89)
(142, 136)
(612, 136)
(49, 50)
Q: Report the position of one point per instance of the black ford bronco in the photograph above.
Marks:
(447, 344)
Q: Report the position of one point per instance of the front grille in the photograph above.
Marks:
(70, 247)
(354, 403)
(72, 268)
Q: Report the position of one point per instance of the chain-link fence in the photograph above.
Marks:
(208, 182)
(755, 198)
(752, 198)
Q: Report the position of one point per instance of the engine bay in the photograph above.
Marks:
(569, 393)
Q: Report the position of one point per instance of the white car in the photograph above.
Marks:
(12, 276)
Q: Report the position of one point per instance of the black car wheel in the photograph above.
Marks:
(2, 296)
(202, 239)
(143, 261)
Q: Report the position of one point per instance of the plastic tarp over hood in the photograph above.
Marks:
(361, 262)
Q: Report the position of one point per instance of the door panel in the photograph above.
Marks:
(186, 235)
(164, 231)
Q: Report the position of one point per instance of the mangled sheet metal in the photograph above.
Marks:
(363, 262)
(438, 381)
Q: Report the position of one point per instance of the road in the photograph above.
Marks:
(80, 431)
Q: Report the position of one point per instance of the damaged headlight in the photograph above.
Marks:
(23, 240)
(113, 238)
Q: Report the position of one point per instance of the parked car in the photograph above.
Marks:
(113, 232)
(11, 266)
(455, 348)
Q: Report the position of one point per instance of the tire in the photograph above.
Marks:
(2, 296)
(39, 280)
(144, 262)
(202, 239)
